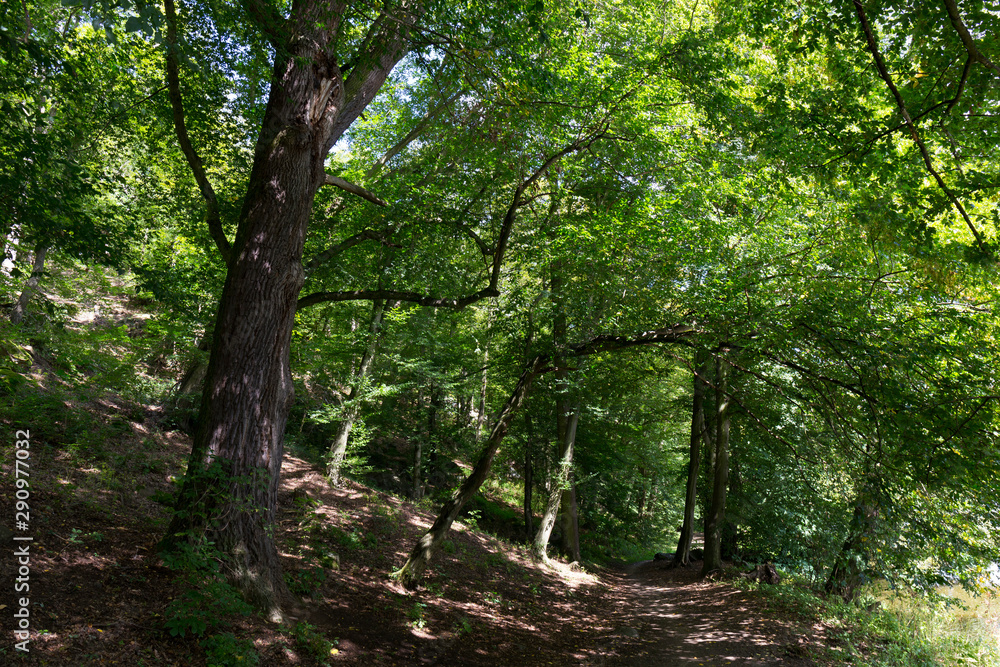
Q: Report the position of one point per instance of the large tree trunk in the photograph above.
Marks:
(717, 514)
(413, 570)
(682, 556)
(248, 386)
(338, 448)
(37, 269)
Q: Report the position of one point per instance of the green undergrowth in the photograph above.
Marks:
(905, 630)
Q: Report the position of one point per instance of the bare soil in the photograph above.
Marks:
(99, 594)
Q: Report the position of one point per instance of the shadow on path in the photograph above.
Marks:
(671, 617)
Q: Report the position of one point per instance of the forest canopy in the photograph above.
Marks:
(661, 268)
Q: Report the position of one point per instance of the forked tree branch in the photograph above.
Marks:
(212, 215)
(901, 105)
(967, 40)
(383, 46)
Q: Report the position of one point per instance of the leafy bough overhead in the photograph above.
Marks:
(494, 254)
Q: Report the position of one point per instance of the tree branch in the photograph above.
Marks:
(393, 295)
(347, 186)
(492, 290)
(961, 86)
(417, 130)
(349, 242)
(963, 34)
(381, 49)
(605, 343)
(212, 215)
(884, 72)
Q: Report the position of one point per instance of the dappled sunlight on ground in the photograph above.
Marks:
(102, 594)
(671, 617)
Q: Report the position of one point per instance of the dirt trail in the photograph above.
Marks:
(670, 617)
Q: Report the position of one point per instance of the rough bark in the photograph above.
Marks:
(248, 387)
(413, 570)
(717, 513)
(683, 554)
(338, 448)
(37, 269)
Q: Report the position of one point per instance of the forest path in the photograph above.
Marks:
(672, 617)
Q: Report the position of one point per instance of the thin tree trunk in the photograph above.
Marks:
(433, 410)
(481, 417)
(717, 514)
(338, 448)
(529, 476)
(708, 456)
(37, 269)
(683, 554)
(418, 488)
(641, 502)
(413, 570)
(652, 496)
(529, 481)
(730, 529)
(560, 475)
